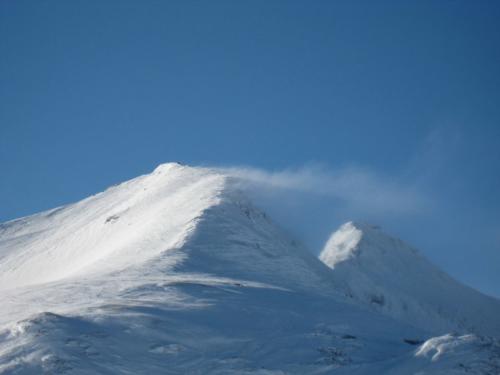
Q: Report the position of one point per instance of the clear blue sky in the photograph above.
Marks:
(97, 92)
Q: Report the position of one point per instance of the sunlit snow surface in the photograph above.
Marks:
(176, 272)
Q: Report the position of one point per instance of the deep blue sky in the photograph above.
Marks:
(97, 92)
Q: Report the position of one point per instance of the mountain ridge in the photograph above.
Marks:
(177, 271)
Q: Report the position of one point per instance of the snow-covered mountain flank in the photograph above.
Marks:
(178, 272)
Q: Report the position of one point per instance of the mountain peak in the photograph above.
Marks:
(165, 167)
(127, 224)
(392, 277)
(190, 218)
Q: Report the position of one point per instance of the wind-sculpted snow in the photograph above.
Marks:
(176, 272)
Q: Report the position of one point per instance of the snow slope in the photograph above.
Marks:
(392, 277)
(127, 224)
(177, 272)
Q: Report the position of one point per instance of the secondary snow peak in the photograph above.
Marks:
(394, 278)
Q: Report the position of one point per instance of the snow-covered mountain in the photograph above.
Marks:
(178, 272)
(392, 277)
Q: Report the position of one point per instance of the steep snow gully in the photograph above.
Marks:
(177, 272)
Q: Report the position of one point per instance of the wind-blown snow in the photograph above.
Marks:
(178, 272)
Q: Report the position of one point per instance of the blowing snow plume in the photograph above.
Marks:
(313, 200)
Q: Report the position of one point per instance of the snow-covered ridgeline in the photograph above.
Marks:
(177, 271)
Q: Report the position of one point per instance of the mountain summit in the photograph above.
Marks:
(192, 219)
(178, 272)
